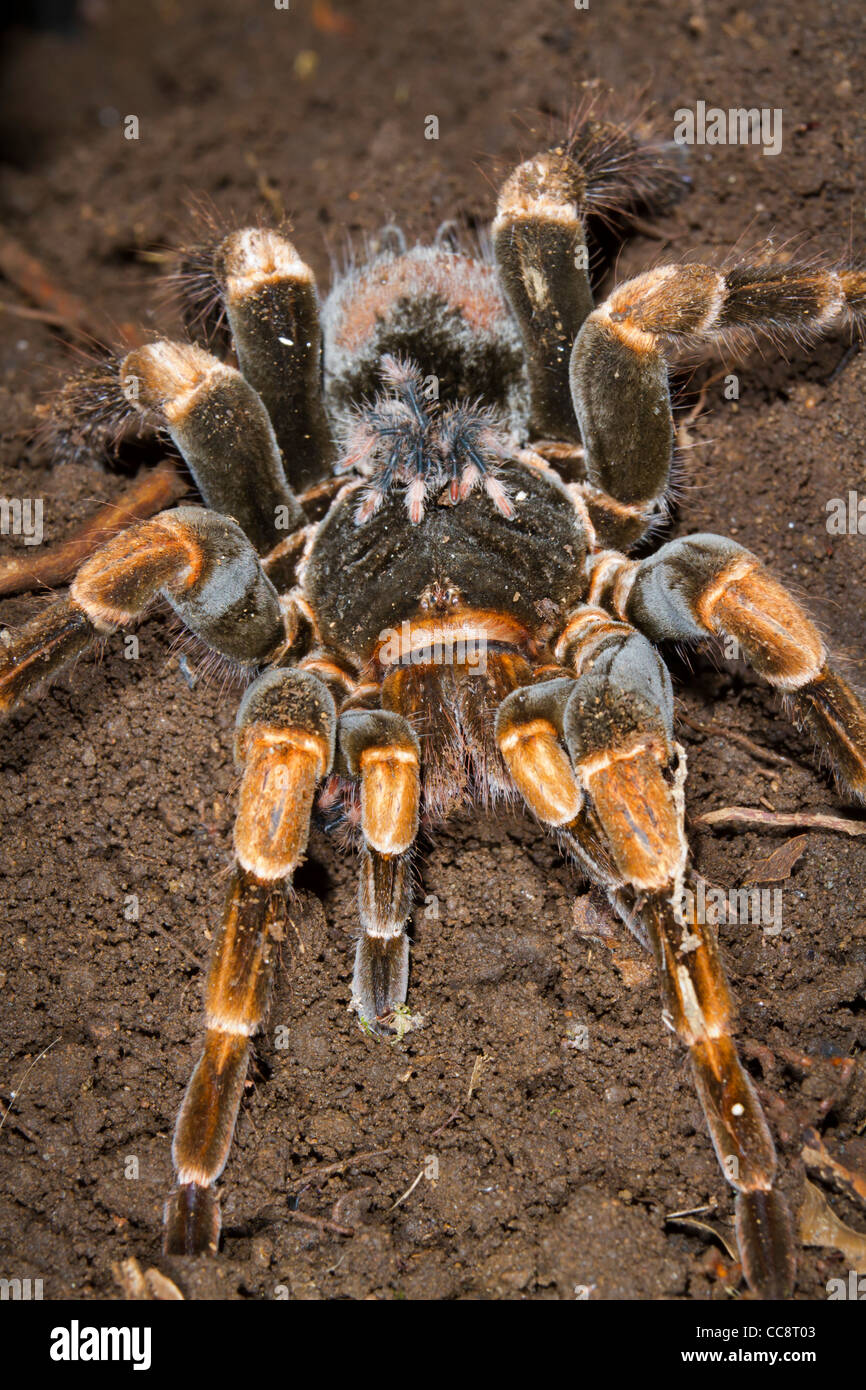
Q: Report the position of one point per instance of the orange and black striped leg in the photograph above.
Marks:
(618, 729)
(592, 755)
(539, 239)
(614, 720)
(201, 563)
(236, 999)
(273, 311)
(619, 365)
(529, 734)
(380, 748)
(706, 584)
(222, 429)
(697, 1002)
(285, 745)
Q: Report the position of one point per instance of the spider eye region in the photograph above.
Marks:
(403, 438)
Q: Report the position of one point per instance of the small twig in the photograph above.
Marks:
(151, 491)
(321, 1223)
(71, 313)
(451, 1118)
(700, 403)
(313, 1175)
(481, 1061)
(21, 311)
(733, 736)
(407, 1193)
(819, 1161)
(703, 1226)
(781, 820)
(690, 1211)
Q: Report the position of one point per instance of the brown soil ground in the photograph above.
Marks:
(560, 1168)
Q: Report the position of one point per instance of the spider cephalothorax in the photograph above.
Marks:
(463, 623)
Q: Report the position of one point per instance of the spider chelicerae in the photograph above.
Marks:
(418, 511)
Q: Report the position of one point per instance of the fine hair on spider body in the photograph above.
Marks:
(455, 455)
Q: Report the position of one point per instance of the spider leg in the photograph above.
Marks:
(222, 429)
(285, 745)
(614, 721)
(273, 311)
(707, 585)
(201, 563)
(698, 1004)
(541, 252)
(619, 366)
(381, 749)
(529, 734)
(539, 238)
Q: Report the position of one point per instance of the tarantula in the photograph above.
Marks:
(488, 445)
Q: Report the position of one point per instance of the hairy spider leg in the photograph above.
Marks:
(614, 722)
(619, 366)
(202, 563)
(381, 750)
(273, 312)
(708, 585)
(540, 242)
(284, 744)
(697, 1002)
(222, 428)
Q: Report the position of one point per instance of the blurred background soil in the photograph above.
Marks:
(557, 1166)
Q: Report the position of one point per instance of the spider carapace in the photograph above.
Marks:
(418, 510)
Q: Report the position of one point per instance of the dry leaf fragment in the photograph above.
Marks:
(819, 1225)
(779, 864)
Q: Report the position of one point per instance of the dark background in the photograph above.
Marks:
(560, 1169)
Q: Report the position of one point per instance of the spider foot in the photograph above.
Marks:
(765, 1237)
(381, 979)
(192, 1221)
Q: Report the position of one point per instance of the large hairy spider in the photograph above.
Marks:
(462, 626)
